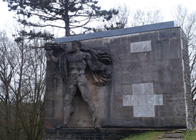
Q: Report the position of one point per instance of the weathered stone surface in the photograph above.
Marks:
(153, 64)
(173, 135)
(88, 134)
(143, 100)
(143, 46)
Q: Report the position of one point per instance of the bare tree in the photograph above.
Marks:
(125, 18)
(22, 85)
(141, 17)
(187, 21)
(117, 21)
(7, 70)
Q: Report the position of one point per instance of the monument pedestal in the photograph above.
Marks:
(88, 133)
(98, 134)
(150, 85)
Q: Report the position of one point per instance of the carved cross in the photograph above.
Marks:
(143, 100)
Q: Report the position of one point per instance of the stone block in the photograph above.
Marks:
(130, 79)
(164, 111)
(149, 122)
(117, 90)
(123, 112)
(96, 43)
(169, 33)
(164, 44)
(134, 38)
(150, 36)
(126, 89)
(172, 54)
(150, 76)
(144, 111)
(157, 54)
(115, 40)
(143, 46)
(116, 77)
(159, 121)
(175, 43)
(145, 57)
(163, 87)
(143, 88)
(167, 121)
(131, 68)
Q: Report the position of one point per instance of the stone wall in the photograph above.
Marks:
(188, 95)
(150, 84)
(147, 85)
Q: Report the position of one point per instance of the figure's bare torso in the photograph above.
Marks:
(77, 63)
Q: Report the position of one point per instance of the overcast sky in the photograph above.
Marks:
(166, 6)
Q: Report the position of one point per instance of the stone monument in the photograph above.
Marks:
(141, 80)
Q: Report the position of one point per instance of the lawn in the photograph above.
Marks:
(153, 135)
(190, 135)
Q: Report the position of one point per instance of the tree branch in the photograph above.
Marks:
(81, 25)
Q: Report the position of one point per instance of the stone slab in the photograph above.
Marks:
(173, 135)
(171, 139)
(143, 88)
(144, 111)
(143, 46)
(143, 100)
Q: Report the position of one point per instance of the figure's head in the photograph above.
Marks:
(76, 45)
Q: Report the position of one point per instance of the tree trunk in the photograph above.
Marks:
(67, 28)
(66, 19)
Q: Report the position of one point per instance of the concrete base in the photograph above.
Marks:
(88, 134)
(95, 134)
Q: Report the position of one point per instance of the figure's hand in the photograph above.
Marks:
(49, 46)
(49, 54)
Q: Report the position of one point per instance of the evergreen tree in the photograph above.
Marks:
(65, 14)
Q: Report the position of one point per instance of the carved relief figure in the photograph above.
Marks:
(73, 66)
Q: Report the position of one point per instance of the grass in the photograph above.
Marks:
(152, 135)
(190, 135)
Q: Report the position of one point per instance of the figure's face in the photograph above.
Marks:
(75, 46)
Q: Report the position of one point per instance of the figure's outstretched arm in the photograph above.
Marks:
(51, 57)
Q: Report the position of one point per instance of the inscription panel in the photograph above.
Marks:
(143, 46)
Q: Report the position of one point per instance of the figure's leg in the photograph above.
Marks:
(83, 87)
(69, 94)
